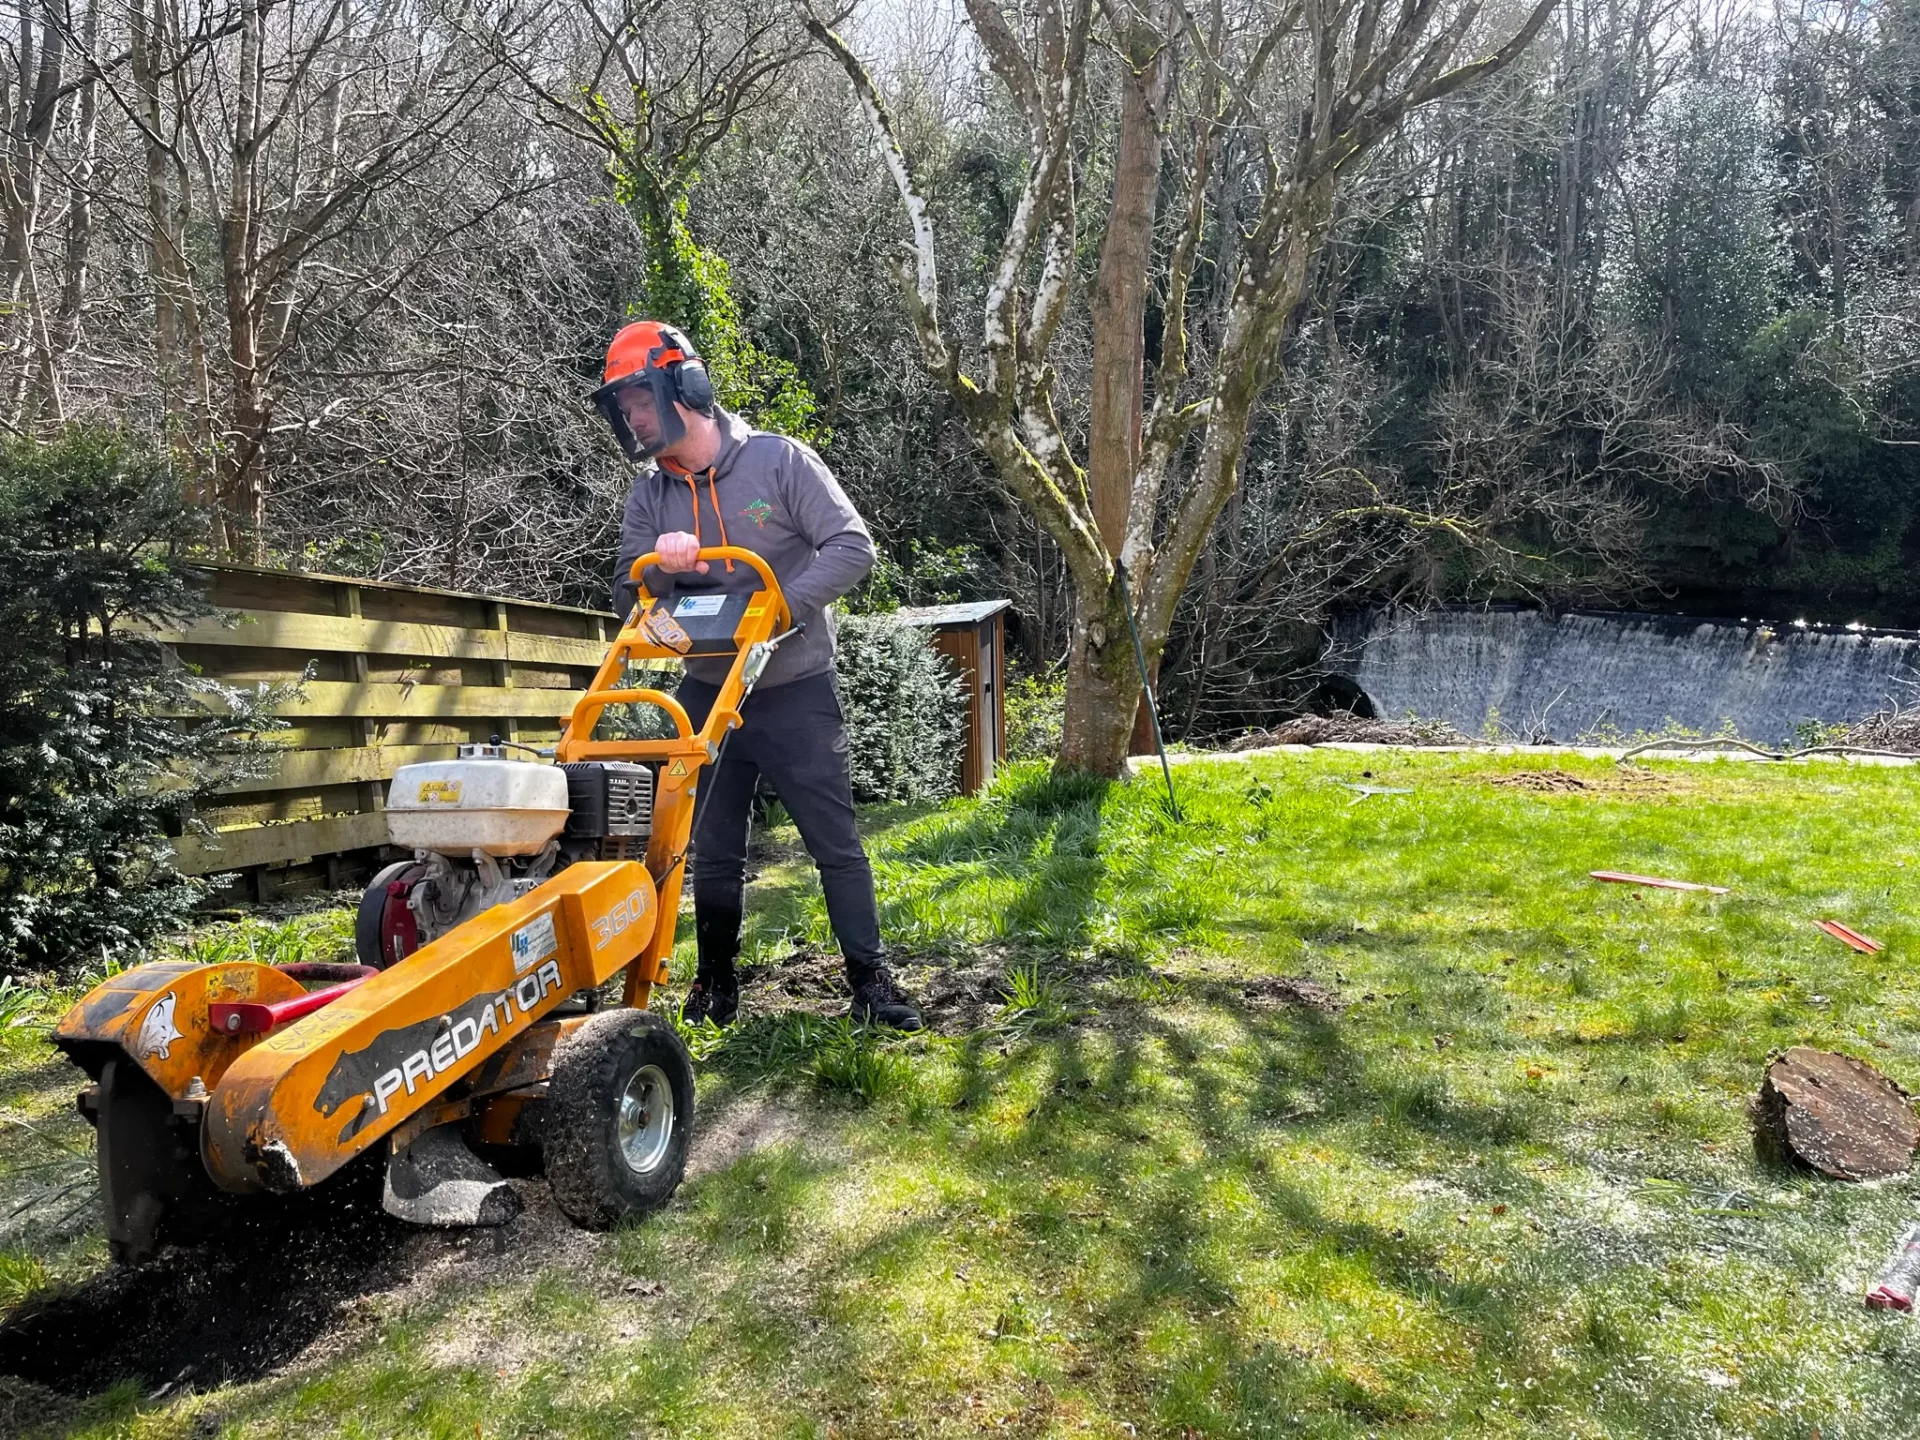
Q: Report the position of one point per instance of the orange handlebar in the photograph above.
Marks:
(659, 699)
(717, 552)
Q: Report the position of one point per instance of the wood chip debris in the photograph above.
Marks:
(1850, 937)
(1622, 877)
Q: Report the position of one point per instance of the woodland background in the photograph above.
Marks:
(1634, 323)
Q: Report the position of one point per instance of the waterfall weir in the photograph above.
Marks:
(1531, 675)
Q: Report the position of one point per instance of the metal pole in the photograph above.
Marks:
(1146, 687)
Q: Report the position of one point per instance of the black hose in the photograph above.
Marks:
(1146, 687)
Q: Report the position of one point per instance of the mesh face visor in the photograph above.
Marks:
(639, 409)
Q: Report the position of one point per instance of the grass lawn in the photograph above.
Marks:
(1488, 1174)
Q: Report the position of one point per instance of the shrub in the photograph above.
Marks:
(1036, 713)
(903, 704)
(930, 575)
(96, 762)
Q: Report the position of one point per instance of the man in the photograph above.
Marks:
(716, 481)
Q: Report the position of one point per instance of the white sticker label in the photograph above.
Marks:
(699, 605)
(533, 942)
(157, 1031)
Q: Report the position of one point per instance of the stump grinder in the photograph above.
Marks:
(473, 1019)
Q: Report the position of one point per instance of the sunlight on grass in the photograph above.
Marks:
(1504, 1188)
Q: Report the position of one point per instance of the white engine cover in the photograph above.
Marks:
(503, 807)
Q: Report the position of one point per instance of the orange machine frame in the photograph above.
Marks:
(680, 758)
(284, 1109)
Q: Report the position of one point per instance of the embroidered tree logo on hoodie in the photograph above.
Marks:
(758, 512)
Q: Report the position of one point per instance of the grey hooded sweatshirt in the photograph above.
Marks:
(767, 494)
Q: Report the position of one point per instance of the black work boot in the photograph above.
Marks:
(878, 1001)
(715, 992)
(708, 1000)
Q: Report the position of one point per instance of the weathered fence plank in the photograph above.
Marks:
(291, 630)
(384, 701)
(269, 844)
(345, 765)
(394, 674)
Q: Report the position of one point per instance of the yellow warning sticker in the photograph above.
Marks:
(679, 767)
(439, 792)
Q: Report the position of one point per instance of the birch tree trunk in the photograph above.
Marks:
(80, 188)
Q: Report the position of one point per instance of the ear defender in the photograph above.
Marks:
(694, 385)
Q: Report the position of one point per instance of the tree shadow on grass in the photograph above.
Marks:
(1166, 1243)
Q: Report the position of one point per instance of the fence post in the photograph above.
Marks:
(373, 795)
(503, 667)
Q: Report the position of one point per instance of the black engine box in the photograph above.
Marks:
(609, 798)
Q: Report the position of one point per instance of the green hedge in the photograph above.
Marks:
(905, 709)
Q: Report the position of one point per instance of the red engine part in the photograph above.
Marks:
(242, 1017)
(399, 931)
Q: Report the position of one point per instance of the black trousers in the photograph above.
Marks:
(796, 736)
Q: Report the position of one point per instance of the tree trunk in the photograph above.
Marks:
(242, 458)
(180, 356)
(243, 475)
(1103, 690)
(1118, 308)
(80, 187)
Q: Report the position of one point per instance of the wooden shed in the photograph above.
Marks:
(973, 636)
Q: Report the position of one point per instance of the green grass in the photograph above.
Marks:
(1507, 1189)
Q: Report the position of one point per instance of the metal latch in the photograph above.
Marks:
(761, 653)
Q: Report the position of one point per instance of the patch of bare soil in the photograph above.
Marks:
(957, 995)
(964, 995)
(292, 1283)
(284, 1281)
(732, 1130)
(1624, 779)
(1273, 992)
(280, 1276)
(1209, 979)
(1321, 729)
(1544, 780)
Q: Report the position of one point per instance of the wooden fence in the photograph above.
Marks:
(395, 673)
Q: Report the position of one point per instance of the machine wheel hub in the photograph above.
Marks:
(645, 1122)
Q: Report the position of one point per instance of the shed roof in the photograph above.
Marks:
(971, 613)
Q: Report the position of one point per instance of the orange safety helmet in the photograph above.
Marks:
(650, 366)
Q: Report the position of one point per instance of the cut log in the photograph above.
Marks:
(1835, 1114)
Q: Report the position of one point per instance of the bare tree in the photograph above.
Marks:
(1303, 91)
(270, 127)
(49, 95)
(654, 87)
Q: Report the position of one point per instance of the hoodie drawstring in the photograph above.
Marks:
(713, 498)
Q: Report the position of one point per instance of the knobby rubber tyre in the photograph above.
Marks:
(619, 1117)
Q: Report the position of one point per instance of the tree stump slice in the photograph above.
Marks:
(1835, 1114)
